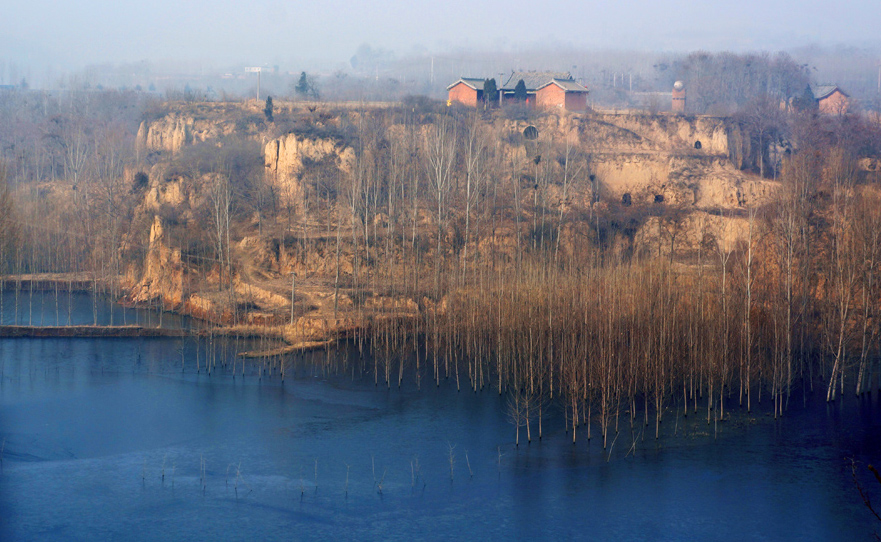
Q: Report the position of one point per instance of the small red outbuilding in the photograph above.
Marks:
(561, 94)
(467, 90)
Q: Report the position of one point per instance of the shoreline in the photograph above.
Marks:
(131, 331)
(88, 331)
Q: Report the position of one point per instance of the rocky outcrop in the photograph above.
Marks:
(671, 179)
(701, 182)
(671, 133)
(288, 158)
(166, 134)
(186, 125)
(163, 271)
(693, 162)
(169, 192)
(174, 131)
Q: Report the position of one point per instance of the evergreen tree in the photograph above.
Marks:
(490, 92)
(303, 87)
(520, 91)
(268, 109)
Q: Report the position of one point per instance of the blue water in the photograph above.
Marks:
(90, 426)
(77, 308)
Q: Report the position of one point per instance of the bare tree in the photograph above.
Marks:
(867, 224)
(517, 408)
(76, 153)
(9, 230)
(440, 155)
(220, 196)
(474, 153)
(843, 268)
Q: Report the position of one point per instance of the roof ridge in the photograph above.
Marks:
(466, 81)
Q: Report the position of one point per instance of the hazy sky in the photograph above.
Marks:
(73, 33)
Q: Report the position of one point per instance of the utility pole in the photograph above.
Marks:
(256, 69)
(501, 92)
(293, 285)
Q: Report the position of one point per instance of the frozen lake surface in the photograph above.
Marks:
(114, 439)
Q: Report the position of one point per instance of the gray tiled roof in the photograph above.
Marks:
(472, 82)
(567, 85)
(535, 80)
(822, 91)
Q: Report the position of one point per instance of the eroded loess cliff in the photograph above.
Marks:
(679, 161)
(179, 125)
(643, 185)
(290, 157)
(162, 275)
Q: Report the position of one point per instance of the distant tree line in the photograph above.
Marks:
(724, 83)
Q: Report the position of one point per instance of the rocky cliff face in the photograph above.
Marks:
(185, 125)
(676, 134)
(683, 175)
(676, 175)
(167, 134)
(288, 158)
(686, 160)
(163, 272)
(702, 182)
(172, 132)
(648, 159)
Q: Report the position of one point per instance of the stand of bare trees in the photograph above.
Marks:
(512, 283)
(552, 316)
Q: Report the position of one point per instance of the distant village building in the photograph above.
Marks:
(561, 94)
(544, 90)
(467, 90)
(830, 99)
(547, 90)
(678, 97)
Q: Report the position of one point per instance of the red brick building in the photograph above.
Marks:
(561, 94)
(830, 99)
(467, 90)
(546, 90)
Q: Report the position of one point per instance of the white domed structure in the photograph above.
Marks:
(678, 97)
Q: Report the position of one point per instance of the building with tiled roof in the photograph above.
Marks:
(830, 99)
(466, 90)
(547, 90)
(544, 90)
(533, 79)
(565, 94)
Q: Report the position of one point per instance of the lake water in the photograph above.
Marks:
(114, 439)
(76, 308)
